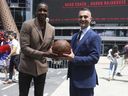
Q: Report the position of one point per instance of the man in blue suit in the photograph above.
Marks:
(84, 55)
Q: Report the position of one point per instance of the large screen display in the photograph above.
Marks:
(65, 12)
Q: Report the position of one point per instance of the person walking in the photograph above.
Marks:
(124, 60)
(36, 38)
(113, 55)
(84, 55)
(13, 56)
(4, 52)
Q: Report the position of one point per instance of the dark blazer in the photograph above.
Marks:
(33, 45)
(81, 70)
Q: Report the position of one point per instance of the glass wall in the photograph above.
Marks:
(18, 3)
(21, 10)
(65, 32)
(19, 15)
(113, 32)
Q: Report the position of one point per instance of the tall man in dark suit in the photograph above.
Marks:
(85, 54)
(36, 38)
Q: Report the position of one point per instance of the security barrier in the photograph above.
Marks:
(57, 63)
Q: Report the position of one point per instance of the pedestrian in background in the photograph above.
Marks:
(36, 38)
(4, 52)
(125, 60)
(13, 56)
(86, 48)
(113, 55)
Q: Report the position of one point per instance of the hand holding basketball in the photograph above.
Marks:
(61, 47)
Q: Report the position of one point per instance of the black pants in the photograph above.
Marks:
(25, 81)
(14, 62)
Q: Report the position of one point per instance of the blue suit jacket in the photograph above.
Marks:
(81, 70)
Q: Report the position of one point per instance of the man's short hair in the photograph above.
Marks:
(85, 9)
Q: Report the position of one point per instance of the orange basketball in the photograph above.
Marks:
(61, 46)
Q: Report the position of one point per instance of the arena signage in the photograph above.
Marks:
(65, 12)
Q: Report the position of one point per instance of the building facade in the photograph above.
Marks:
(21, 10)
(110, 33)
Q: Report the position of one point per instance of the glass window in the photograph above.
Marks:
(58, 33)
(19, 16)
(8, 1)
(67, 32)
(14, 1)
(22, 3)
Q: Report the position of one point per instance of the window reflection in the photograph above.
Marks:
(18, 10)
(19, 16)
(114, 32)
(16, 3)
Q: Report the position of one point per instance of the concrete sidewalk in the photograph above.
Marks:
(62, 90)
(116, 87)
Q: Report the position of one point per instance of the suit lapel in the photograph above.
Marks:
(74, 42)
(46, 34)
(82, 40)
(38, 29)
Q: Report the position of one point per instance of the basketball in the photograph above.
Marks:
(61, 47)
